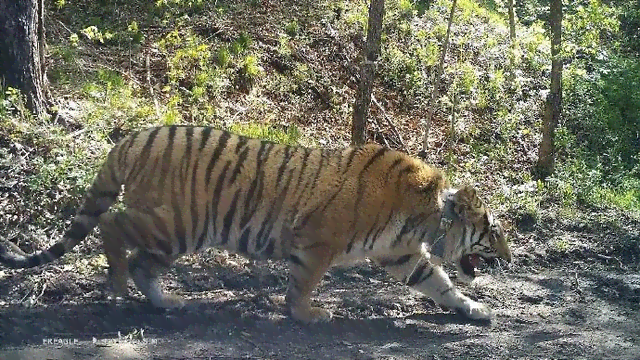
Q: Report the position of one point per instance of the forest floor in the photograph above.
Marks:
(546, 304)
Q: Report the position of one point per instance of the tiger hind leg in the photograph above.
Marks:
(115, 251)
(134, 229)
(307, 267)
(146, 269)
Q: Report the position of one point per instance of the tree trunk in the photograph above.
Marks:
(22, 51)
(553, 105)
(371, 53)
(512, 22)
(511, 74)
(436, 86)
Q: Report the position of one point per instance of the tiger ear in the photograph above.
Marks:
(467, 204)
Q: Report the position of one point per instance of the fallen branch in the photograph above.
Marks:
(393, 127)
(609, 258)
(153, 96)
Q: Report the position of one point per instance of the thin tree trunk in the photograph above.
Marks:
(553, 105)
(22, 48)
(512, 22)
(371, 53)
(436, 86)
(511, 74)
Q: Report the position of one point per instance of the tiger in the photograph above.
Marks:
(189, 188)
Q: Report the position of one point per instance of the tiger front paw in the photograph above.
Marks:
(311, 315)
(476, 311)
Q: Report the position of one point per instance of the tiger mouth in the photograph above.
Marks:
(469, 263)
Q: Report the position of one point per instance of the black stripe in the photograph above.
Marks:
(484, 232)
(57, 250)
(362, 184)
(178, 221)
(204, 137)
(222, 143)
(160, 225)
(123, 152)
(228, 218)
(395, 164)
(304, 221)
(415, 278)
(32, 261)
(145, 153)
(254, 195)
(166, 159)
(242, 142)
(270, 248)
(244, 241)
(115, 181)
(195, 220)
(216, 196)
(380, 230)
(296, 260)
(205, 229)
(77, 231)
(239, 162)
(186, 158)
(407, 170)
(395, 261)
(305, 159)
(351, 241)
(406, 228)
(262, 239)
(464, 235)
(313, 182)
(442, 293)
(283, 165)
(473, 232)
(373, 227)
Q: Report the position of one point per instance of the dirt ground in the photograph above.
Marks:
(547, 305)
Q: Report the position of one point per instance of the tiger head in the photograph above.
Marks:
(470, 232)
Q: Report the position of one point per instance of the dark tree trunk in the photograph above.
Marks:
(371, 53)
(22, 51)
(553, 105)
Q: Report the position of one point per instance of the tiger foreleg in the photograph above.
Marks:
(307, 267)
(418, 272)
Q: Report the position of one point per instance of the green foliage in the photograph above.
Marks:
(288, 136)
(251, 67)
(292, 28)
(606, 126)
(585, 29)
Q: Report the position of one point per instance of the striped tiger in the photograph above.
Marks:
(188, 188)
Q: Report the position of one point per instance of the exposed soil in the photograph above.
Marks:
(546, 306)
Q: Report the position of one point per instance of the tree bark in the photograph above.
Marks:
(511, 74)
(436, 86)
(22, 48)
(371, 53)
(553, 104)
(512, 22)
